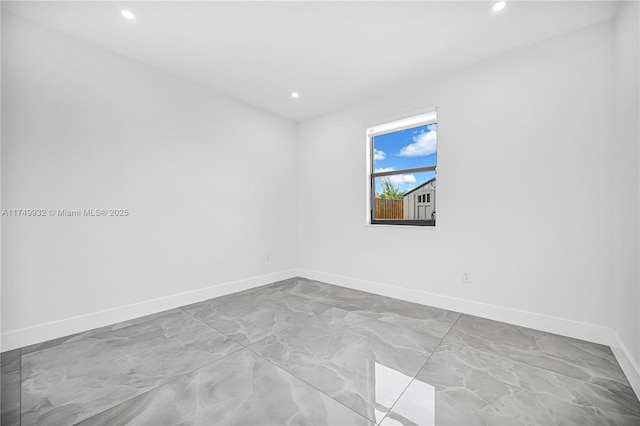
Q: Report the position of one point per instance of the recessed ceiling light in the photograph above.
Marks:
(499, 6)
(295, 95)
(128, 14)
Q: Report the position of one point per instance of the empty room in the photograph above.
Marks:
(320, 213)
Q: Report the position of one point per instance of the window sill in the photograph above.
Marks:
(403, 223)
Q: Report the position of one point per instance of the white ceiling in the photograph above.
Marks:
(333, 53)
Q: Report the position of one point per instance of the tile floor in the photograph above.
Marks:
(309, 353)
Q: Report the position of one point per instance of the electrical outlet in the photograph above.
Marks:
(466, 277)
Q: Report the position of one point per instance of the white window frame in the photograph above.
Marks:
(415, 120)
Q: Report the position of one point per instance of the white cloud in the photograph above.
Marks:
(378, 155)
(384, 169)
(396, 179)
(424, 143)
(400, 179)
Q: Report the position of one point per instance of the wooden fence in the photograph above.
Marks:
(389, 209)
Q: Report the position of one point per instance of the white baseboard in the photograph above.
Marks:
(565, 327)
(629, 366)
(562, 326)
(52, 330)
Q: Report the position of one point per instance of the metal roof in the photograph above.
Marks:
(418, 187)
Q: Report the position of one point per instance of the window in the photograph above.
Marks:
(401, 167)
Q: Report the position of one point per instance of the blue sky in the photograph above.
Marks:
(406, 149)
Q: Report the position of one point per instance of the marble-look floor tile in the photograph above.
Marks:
(73, 337)
(252, 316)
(576, 358)
(363, 363)
(241, 389)
(10, 356)
(426, 319)
(174, 368)
(10, 388)
(320, 292)
(70, 382)
(464, 386)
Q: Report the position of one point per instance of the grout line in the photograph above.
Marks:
(347, 300)
(20, 391)
(499, 355)
(288, 371)
(216, 330)
(99, 331)
(6, 389)
(367, 318)
(271, 334)
(304, 298)
(171, 380)
(309, 384)
(420, 369)
(506, 357)
(90, 334)
(208, 325)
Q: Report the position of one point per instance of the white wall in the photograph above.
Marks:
(537, 192)
(208, 182)
(625, 282)
(524, 178)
